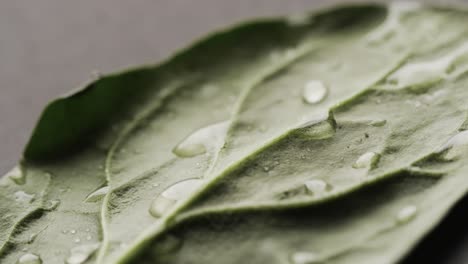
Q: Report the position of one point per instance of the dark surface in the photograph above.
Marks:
(49, 47)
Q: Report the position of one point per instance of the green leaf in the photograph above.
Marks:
(338, 137)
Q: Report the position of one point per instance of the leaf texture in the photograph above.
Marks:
(339, 137)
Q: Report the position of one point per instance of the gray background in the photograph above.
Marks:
(48, 47)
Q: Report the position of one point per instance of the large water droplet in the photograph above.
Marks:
(455, 146)
(319, 127)
(29, 258)
(81, 253)
(97, 195)
(23, 197)
(305, 257)
(367, 160)
(314, 92)
(317, 186)
(172, 194)
(209, 138)
(160, 206)
(406, 214)
(17, 175)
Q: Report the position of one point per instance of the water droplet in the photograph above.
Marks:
(64, 231)
(209, 138)
(406, 214)
(367, 160)
(77, 240)
(455, 146)
(305, 257)
(29, 258)
(172, 194)
(378, 123)
(322, 127)
(266, 168)
(80, 254)
(97, 194)
(87, 229)
(73, 231)
(314, 92)
(316, 186)
(23, 197)
(89, 237)
(17, 175)
(160, 205)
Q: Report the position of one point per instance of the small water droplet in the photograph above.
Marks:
(17, 175)
(77, 240)
(378, 123)
(29, 258)
(23, 197)
(87, 230)
(305, 257)
(172, 194)
(80, 254)
(97, 194)
(367, 160)
(406, 214)
(314, 92)
(64, 231)
(266, 168)
(316, 186)
(73, 231)
(89, 237)
(208, 138)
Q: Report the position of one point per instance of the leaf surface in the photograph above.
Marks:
(337, 138)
